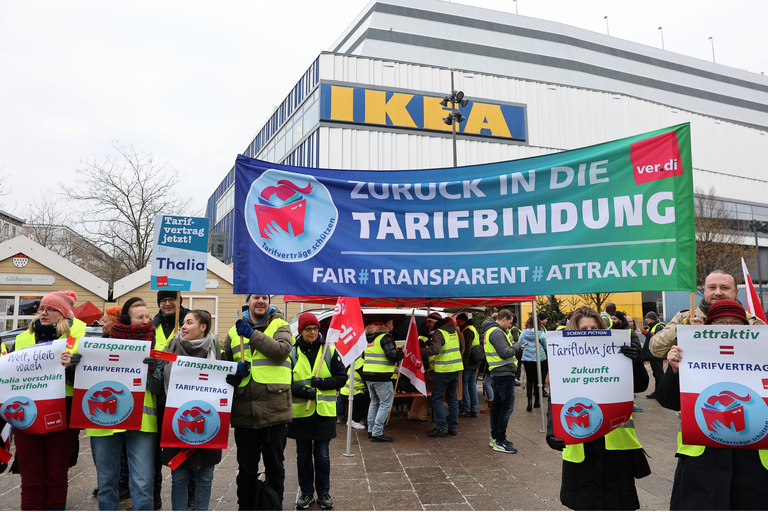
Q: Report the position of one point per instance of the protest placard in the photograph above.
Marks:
(724, 385)
(109, 384)
(199, 404)
(591, 383)
(180, 253)
(32, 388)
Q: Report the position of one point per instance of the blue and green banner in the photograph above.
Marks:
(612, 217)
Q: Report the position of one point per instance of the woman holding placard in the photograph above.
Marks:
(710, 478)
(194, 340)
(600, 474)
(44, 458)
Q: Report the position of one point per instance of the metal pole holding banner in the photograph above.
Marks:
(538, 366)
(350, 407)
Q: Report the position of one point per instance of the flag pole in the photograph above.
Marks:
(693, 306)
(350, 407)
(538, 366)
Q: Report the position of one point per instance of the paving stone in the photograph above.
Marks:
(438, 493)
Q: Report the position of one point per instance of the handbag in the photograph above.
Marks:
(641, 466)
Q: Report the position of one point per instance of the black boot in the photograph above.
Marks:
(530, 407)
(536, 404)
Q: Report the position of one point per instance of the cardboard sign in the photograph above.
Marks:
(724, 385)
(199, 404)
(591, 383)
(180, 253)
(109, 384)
(32, 388)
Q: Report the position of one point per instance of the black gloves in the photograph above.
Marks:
(233, 379)
(150, 361)
(75, 360)
(243, 370)
(320, 383)
(555, 443)
(311, 393)
(632, 352)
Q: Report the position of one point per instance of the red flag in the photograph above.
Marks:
(412, 366)
(347, 330)
(753, 302)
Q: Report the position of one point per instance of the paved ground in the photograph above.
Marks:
(417, 472)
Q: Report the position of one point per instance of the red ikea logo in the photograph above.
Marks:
(656, 158)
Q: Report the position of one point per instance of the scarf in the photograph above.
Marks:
(44, 333)
(144, 332)
(205, 348)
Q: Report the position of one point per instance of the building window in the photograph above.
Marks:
(18, 310)
(209, 303)
(225, 204)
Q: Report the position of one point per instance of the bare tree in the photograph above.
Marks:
(595, 300)
(719, 241)
(120, 197)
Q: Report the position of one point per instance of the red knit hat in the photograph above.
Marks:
(61, 301)
(306, 319)
(726, 307)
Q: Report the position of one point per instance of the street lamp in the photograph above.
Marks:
(608, 32)
(713, 49)
(455, 117)
(662, 38)
(755, 225)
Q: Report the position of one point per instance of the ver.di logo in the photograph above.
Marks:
(581, 417)
(108, 403)
(196, 422)
(289, 216)
(19, 411)
(731, 414)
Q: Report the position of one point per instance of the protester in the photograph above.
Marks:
(316, 377)
(527, 340)
(44, 458)
(599, 474)
(108, 320)
(621, 321)
(166, 326)
(473, 355)
(489, 322)
(262, 407)
(718, 285)
(194, 340)
(133, 323)
(607, 315)
(381, 358)
(710, 478)
(657, 364)
(447, 347)
(502, 363)
(543, 320)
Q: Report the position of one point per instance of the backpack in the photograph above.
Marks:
(263, 497)
(476, 354)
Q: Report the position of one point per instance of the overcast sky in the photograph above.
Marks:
(193, 81)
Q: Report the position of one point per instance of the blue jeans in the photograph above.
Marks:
(503, 405)
(140, 451)
(180, 482)
(446, 383)
(488, 386)
(469, 390)
(317, 477)
(382, 396)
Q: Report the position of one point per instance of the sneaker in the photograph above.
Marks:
(505, 446)
(636, 408)
(518, 383)
(381, 439)
(304, 501)
(325, 501)
(437, 432)
(453, 432)
(492, 443)
(370, 435)
(340, 420)
(652, 395)
(357, 426)
(123, 493)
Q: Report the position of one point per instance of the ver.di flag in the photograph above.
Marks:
(109, 384)
(412, 365)
(724, 385)
(591, 383)
(754, 307)
(347, 330)
(199, 403)
(32, 388)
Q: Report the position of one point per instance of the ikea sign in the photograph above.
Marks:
(412, 111)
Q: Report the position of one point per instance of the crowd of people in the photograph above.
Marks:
(298, 387)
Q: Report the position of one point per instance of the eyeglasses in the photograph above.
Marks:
(169, 300)
(312, 329)
(726, 322)
(47, 310)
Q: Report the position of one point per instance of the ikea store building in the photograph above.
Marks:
(373, 101)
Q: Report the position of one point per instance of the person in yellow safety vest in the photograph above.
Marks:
(316, 377)
(360, 400)
(133, 323)
(473, 356)
(710, 478)
(381, 358)
(261, 408)
(718, 285)
(599, 474)
(44, 458)
(419, 410)
(3, 349)
(166, 325)
(607, 315)
(447, 347)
